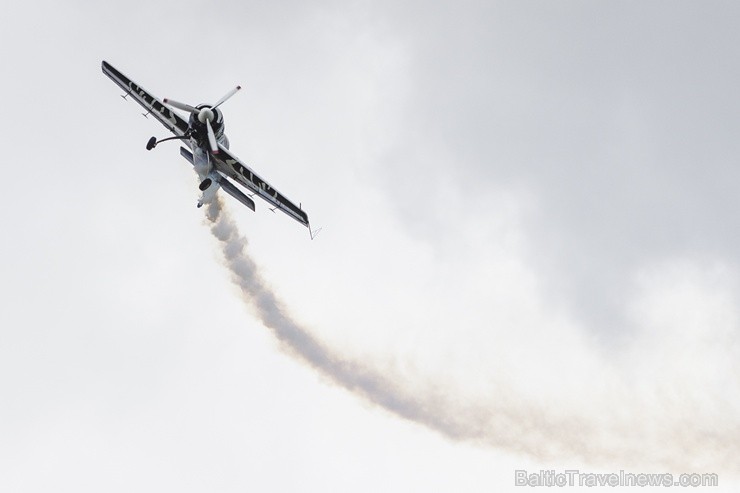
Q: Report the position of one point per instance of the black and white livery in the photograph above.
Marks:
(208, 148)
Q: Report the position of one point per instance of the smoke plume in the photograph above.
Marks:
(619, 425)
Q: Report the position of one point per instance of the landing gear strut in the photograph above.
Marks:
(153, 141)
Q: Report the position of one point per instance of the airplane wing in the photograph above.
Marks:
(174, 122)
(231, 166)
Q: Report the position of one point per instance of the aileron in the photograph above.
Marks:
(233, 167)
(153, 106)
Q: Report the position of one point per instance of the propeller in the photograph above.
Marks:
(205, 115)
(180, 106)
(211, 136)
(226, 96)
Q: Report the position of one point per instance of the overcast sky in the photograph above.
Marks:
(529, 256)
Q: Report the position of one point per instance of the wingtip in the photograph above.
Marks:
(313, 232)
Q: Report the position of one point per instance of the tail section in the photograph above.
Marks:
(225, 184)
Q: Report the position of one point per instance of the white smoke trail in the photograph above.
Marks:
(378, 388)
(618, 430)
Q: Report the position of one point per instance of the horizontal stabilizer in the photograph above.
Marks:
(186, 154)
(231, 189)
(226, 185)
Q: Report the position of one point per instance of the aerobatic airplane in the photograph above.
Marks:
(208, 151)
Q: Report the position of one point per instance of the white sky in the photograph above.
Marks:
(529, 214)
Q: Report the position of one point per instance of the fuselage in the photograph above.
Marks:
(202, 162)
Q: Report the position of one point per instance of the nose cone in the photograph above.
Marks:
(206, 114)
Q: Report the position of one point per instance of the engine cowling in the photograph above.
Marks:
(199, 127)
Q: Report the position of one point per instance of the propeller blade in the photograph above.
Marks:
(227, 96)
(180, 106)
(212, 137)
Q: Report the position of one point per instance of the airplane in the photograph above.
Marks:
(207, 148)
